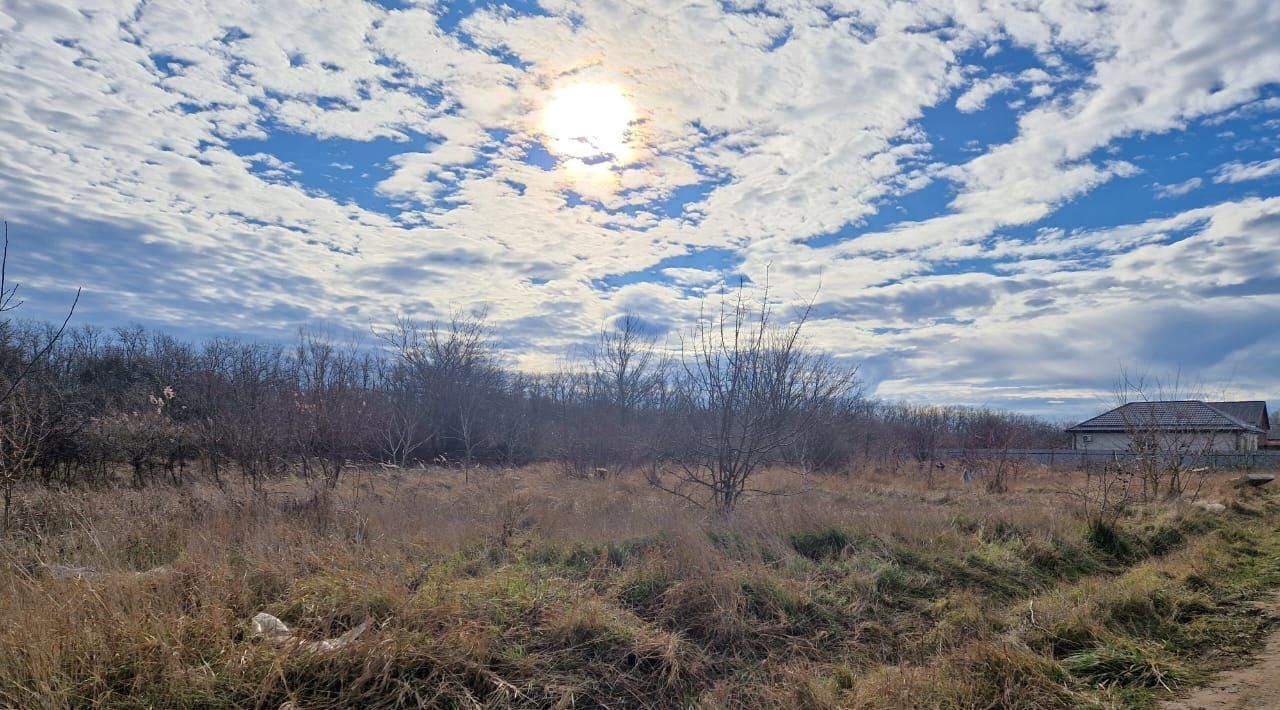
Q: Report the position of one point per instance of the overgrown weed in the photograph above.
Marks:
(524, 590)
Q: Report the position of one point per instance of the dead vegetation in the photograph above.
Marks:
(519, 588)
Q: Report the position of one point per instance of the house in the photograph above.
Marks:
(1186, 426)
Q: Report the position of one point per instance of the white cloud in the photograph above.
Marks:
(786, 124)
(693, 277)
(1178, 189)
(1130, 304)
(1239, 172)
(975, 99)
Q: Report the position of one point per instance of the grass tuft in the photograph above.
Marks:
(1127, 665)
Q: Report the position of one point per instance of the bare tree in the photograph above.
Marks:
(252, 413)
(24, 414)
(8, 302)
(819, 445)
(331, 405)
(605, 400)
(140, 435)
(26, 424)
(452, 372)
(923, 431)
(1166, 440)
(403, 433)
(991, 441)
(749, 389)
(630, 366)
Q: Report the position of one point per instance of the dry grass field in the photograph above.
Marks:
(521, 588)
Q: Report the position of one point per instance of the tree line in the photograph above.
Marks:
(741, 391)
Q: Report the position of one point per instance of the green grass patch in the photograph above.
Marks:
(1128, 665)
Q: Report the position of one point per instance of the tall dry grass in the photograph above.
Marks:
(521, 588)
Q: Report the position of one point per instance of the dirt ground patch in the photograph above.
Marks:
(1254, 686)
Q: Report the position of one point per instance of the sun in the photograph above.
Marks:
(589, 123)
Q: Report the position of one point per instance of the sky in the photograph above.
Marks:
(988, 202)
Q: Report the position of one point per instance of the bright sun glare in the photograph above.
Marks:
(589, 123)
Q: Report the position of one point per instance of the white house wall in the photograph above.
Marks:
(1102, 442)
(1197, 443)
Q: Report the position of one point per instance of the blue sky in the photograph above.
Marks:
(990, 203)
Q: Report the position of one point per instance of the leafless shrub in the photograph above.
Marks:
(1107, 493)
(451, 378)
(749, 390)
(142, 435)
(991, 443)
(26, 424)
(1166, 444)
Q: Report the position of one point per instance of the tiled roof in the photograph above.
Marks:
(1187, 415)
(1247, 412)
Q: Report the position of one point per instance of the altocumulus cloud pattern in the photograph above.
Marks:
(994, 202)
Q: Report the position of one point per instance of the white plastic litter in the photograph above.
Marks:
(269, 628)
